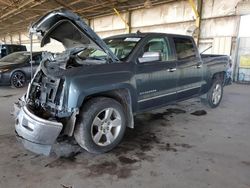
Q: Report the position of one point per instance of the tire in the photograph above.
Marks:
(215, 93)
(18, 79)
(99, 118)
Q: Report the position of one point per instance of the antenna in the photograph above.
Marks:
(206, 49)
(31, 60)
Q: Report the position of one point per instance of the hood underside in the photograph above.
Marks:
(69, 35)
(69, 29)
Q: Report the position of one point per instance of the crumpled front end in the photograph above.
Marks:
(37, 134)
(41, 115)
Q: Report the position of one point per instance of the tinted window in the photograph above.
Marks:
(184, 48)
(3, 52)
(37, 58)
(14, 48)
(159, 45)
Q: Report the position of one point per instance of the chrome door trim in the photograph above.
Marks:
(171, 93)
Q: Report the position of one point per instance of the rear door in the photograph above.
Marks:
(189, 66)
(156, 80)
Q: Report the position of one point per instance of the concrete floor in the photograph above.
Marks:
(168, 148)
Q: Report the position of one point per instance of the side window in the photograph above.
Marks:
(37, 58)
(159, 45)
(3, 52)
(184, 48)
(23, 48)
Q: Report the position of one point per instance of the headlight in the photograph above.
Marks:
(3, 70)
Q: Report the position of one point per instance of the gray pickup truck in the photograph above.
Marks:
(92, 90)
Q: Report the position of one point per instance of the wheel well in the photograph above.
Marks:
(123, 97)
(216, 76)
(219, 75)
(120, 95)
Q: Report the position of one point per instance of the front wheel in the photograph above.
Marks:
(215, 93)
(101, 125)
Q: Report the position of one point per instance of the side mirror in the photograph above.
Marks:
(150, 56)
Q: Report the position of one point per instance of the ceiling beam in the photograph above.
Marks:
(94, 7)
(15, 9)
(6, 2)
(61, 3)
(16, 16)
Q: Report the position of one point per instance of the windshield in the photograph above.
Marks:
(15, 58)
(92, 54)
(122, 47)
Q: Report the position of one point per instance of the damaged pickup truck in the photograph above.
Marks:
(92, 90)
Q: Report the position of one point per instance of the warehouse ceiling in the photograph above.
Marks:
(17, 15)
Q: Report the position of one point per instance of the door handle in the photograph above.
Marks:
(171, 69)
(198, 66)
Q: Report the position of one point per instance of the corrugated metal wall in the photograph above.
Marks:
(219, 23)
(242, 60)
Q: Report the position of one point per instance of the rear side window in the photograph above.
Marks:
(37, 58)
(185, 48)
(15, 48)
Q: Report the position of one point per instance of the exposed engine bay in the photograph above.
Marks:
(45, 96)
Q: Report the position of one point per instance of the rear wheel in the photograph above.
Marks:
(215, 93)
(18, 79)
(101, 125)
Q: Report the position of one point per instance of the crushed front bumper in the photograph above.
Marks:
(37, 134)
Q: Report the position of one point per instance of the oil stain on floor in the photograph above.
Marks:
(7, 96)
(199, 113)
(139, 144)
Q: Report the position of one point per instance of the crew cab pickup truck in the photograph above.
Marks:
(92, 90)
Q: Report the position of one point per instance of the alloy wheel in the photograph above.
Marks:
(18, 80)
(217, 93)
(106, 127)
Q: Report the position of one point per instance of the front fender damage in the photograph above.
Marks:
(39, 133)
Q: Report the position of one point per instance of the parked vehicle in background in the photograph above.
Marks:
(6, 49)
(15, 69)
(93, 89)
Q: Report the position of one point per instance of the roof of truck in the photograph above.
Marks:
(142, 35)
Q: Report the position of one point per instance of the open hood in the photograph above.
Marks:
(69, 29)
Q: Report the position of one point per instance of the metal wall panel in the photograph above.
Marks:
(219, 19)
(242, 63)
(222, 45)
(243, 7)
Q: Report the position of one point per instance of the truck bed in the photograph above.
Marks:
(207, 58)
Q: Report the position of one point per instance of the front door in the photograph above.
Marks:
(156, 80)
